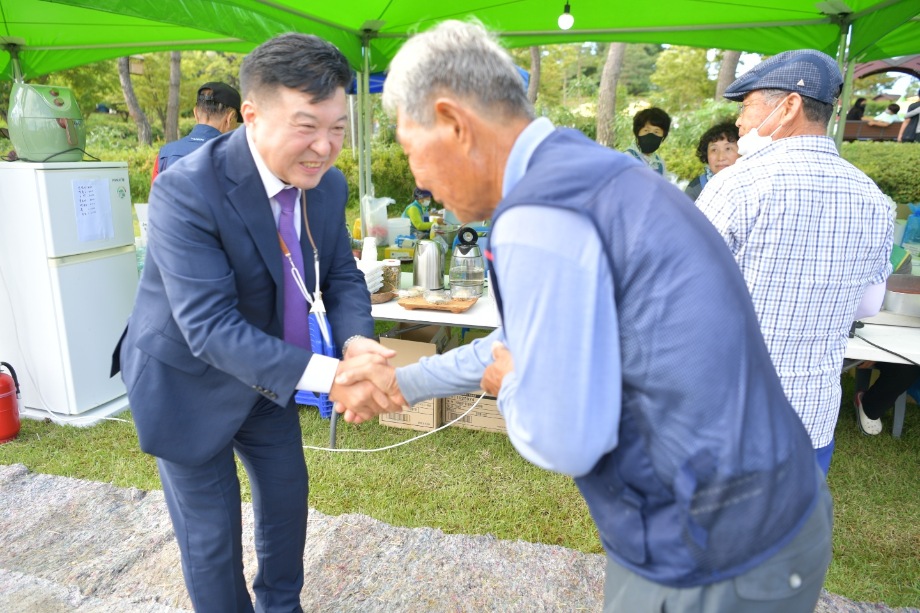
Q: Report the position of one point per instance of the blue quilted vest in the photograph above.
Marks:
(713, 472)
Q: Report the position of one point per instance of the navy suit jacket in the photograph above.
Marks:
(203, 344)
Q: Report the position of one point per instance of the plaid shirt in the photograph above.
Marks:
(810, 233)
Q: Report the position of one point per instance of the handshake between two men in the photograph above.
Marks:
(366, 385)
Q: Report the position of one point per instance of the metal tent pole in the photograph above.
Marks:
(844, 100)
(367, 117)
(14, 63)
(352, 137)
(362, 187)
(845, 63)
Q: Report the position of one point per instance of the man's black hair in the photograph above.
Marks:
(654, 116)
(817, 111)
(297, 61)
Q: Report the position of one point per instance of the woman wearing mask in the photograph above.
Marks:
(718, 149)
(417, 213)
(650, 126)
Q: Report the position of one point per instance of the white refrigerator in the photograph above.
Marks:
(68, 277)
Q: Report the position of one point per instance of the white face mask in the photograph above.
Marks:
(753, 141)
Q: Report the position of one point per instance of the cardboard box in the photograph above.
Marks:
(484, 417)
(411, 343)
(404, 254)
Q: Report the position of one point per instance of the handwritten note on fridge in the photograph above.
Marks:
(93, 210)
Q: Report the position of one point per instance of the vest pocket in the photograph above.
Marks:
(629, 538)
(620, 522)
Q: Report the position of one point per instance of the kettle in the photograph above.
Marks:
(467, 267)
(428, 265)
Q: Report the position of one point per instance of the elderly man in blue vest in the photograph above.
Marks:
(706, 494)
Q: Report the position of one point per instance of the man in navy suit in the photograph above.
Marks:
(207, 359)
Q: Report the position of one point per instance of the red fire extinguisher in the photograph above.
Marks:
(9, 404)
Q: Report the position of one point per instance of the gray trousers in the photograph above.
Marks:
(788, 582)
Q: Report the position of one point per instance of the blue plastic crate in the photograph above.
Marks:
(320, 401)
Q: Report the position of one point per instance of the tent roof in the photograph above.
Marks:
(52, 37)
(909, 64)
(881, 28)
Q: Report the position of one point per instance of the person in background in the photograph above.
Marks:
(718, 149)
(885, 118)
(218, 340)
(873, 401)
(858, 109)
(417, 213)
(811, 233)
(908, 133)
(707, 497)
(650, 127)
(217, 110)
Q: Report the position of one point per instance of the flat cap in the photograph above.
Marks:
(221, 93)
(805, 71)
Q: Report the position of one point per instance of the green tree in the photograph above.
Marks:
(551, 71)
(198, 67)
(913, 89)
(152, 88)
(137, 113)
(569, 74)
(873, 85)
(92, 84)
(638, 66)
(172, 100)
(533, 84)
(728, 67)
(681, 79)
(530, 59)
(607, 99)
(4, 99)
(204, 66)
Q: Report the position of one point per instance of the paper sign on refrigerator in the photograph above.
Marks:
(93, 210)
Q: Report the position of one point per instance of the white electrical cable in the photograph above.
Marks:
(88, 419)
(415, 438)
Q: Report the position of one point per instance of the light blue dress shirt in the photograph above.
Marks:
(561, 403)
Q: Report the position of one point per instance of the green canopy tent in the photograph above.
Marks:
(881, 28)
(52, 37)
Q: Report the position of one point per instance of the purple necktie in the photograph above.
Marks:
(296, 329)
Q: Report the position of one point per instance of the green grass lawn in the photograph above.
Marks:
(469, 482)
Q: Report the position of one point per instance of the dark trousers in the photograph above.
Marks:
(205, 507)
(893, 380)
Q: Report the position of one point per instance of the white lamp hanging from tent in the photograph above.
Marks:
(566, 20)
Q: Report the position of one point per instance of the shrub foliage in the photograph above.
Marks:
(893, 166)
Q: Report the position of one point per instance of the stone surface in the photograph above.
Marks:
(81, 546)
